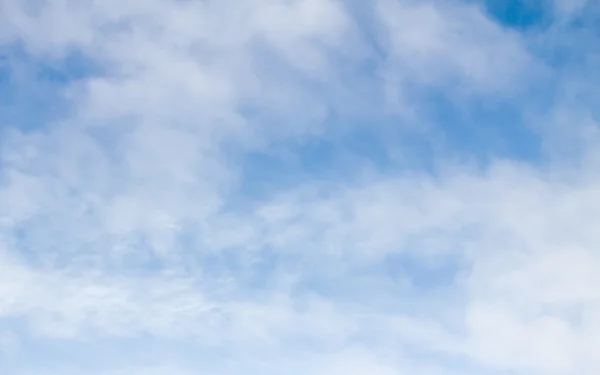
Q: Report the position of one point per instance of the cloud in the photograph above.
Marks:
(477, 52)
(168, 219)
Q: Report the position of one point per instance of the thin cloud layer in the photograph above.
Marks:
(293, 187)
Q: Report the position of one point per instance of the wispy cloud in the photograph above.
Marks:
(297, 186)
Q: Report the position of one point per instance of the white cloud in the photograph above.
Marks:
(477, 54)
(123, 219)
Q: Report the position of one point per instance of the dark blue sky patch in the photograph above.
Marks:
(335, 158)
(74, 66)
(481, 128)
(32, 89)
(522, 15)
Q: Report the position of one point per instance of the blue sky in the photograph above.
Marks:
(299, 187)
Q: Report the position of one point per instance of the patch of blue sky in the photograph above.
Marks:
(325, 159)
(32, 88)
(482, 129)
(564, 43)
(353, 107)
(522, 15)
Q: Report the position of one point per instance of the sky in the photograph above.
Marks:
(324, 187)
